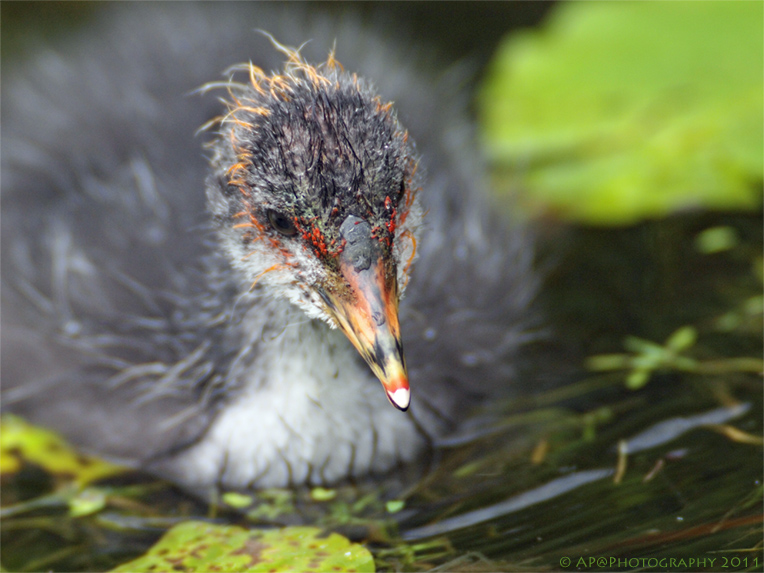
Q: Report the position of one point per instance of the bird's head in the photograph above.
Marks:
(315, 191)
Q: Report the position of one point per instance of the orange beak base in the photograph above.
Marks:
(367, 312)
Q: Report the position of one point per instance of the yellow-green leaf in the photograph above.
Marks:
(237, 500)
(323, 494)
(202, 546)
(21, 441)
(87, 502)
(616, 111)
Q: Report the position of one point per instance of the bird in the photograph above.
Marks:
(238, 264)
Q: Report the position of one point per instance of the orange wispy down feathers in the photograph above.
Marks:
(276, 85)
(279, 85)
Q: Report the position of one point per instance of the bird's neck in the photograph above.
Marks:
(305, 409)
(294, 350)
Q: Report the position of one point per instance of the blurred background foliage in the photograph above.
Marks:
(611, 112)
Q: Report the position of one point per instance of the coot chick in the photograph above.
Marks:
(236, 337)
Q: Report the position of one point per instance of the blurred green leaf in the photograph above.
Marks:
(322, 494)
(237, 500)
(86, 502)
(395, 505)
(637, 379)
(272, 503)
(202, 546)
(21, 442)
(615, 111)
(682, 339)
(716, 240)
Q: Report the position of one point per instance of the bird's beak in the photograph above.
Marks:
(367, 312)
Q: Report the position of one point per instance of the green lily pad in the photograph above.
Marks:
(22, 442)
(201, 546)
(617, 111)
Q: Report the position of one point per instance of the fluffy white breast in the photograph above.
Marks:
(308, 411)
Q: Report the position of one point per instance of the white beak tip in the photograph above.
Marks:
(400, 398)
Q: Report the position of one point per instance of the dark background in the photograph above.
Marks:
(454, 29)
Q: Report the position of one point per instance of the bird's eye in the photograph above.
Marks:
(402, 190)
(281, 223)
